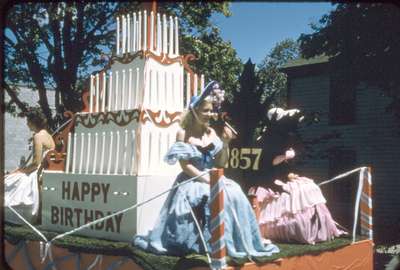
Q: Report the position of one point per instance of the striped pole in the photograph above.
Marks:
(366, 205)
(218, 251)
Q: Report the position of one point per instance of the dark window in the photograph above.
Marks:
(341, 194)
(342, 100)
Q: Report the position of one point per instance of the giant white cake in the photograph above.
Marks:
(111, 154)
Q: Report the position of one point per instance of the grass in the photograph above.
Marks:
(149, 261)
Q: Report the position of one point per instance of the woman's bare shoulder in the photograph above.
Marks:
(180, 135)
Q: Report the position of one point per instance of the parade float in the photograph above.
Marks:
(107, 181)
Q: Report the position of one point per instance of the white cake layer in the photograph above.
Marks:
(138, 84)
(117, 144)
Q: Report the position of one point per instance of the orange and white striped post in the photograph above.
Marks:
(366, 205)
(218, 250)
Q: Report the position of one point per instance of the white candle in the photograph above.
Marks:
(125, 151)
(130, 90)
(128, 32)
(96, 141)
(202, 82)
(187, 90)
(110, 91)
(196, 90)
(123, 91)
(152, 31)
(117, 154)
(140, 31)
(134, 34)
(110, 153)
(81, 155)
(88, 154)
(68, 157)
(137, 90)
(176, 37)
(103, 93)
(118, 27)
(159, 31)
(74, 155)
(133, 154)
(145, 30)
(103, 145)
(116, 91)
(97, 92)
(171, 36)
(123, 35)
(91, 93)
(164, 38)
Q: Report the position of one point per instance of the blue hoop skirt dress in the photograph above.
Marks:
(175, 232)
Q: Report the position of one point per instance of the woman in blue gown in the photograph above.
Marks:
(197, 149)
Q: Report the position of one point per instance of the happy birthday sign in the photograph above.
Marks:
(72, 200)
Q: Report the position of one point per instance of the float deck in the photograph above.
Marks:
(22, 251)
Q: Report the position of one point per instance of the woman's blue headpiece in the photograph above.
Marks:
(196, 100)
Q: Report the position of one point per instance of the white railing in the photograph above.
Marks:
(143, 31)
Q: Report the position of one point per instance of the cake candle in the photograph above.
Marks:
(96, 141)
(130, 90)
(81, 155)
(117, 154)
(110, 153)
(103, 146)
(88, 153)
(74, 155)
(68, 153)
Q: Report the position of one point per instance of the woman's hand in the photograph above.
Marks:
(289, 154)
(227, 135)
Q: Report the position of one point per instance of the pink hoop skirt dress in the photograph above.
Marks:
(298, 214)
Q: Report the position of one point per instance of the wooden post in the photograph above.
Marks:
(218, 250)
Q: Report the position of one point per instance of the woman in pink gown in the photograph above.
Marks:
(298, 213)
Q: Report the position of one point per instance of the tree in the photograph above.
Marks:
(246, 110)
(363, 40)
(53, 45)
(260, 90)
(275, 81)
(57, 45)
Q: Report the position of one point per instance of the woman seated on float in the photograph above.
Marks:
(197, 149)
(21, 189)
(298, 213)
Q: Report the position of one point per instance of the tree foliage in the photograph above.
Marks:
(260, 89)
(52, 45)
(57, 45)
(273, 80)
(364, 41)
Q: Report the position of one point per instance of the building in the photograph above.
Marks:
(368, 136)
(16, 131)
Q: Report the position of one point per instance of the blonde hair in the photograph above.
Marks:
(188, 119)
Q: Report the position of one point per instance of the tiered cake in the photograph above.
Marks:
(111, 154)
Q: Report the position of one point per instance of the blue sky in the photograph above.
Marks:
(255, 27)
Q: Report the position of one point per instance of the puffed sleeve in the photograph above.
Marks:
(181, 150)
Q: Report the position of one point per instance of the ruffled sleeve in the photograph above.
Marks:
(181, 150)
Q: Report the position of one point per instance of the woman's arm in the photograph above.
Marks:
(186, 166)
(37, 155)
(289, 154)
(222, 156)
(192, 171)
